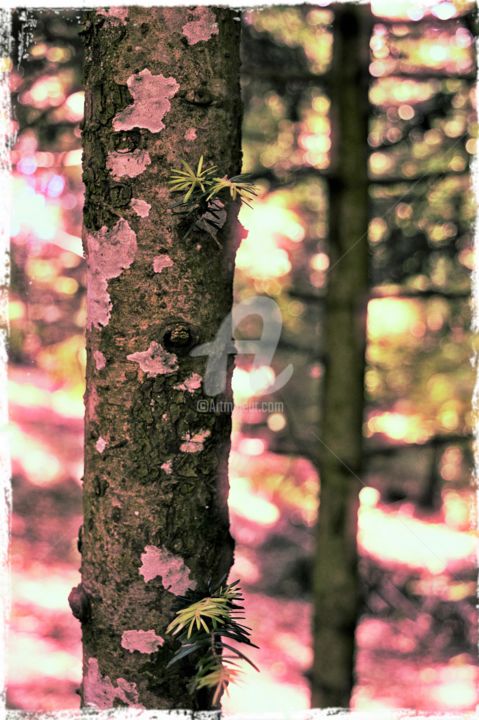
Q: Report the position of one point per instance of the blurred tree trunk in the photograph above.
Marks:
(162, 85)
(335, 574)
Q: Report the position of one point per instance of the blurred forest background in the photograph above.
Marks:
(417, 639)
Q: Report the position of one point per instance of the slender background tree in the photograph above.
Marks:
(336, 589)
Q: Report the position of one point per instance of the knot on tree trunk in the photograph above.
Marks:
(179, 337)
(79, 602)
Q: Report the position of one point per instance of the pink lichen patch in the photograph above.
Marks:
(151, 101)
(143, 641)
(160, 262)
(190, 134)
(101, 444)
(99, 691)
(127, 692)
(131, 164)
(155, 361)
(191, 383)
(194, 443)
(97, 300)
(174, 574)
(109, 253)
(91, 402)
(100, 360)
(117, 13)
(202, 28)
(167, 467)
(141, 207)
(112, 251)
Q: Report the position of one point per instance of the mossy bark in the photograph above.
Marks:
(162, 85)
(335, 574)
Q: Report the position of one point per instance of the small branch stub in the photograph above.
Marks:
(79, 602)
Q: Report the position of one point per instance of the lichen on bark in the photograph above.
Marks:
(141, 490)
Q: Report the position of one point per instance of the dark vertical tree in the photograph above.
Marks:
(162, 86)
(335, 574)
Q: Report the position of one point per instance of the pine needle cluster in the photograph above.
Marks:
(205, 193)
(210, 628)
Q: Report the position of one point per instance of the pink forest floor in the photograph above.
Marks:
(416, 644)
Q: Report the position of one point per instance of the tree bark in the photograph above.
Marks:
(335, 575)
(162, 85)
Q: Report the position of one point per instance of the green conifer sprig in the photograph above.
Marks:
(206, 627)
(202, 189)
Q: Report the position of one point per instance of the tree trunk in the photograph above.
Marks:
(162, 85)
(335, 574)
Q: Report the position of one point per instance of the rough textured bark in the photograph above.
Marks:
(162, 85)
(335, 579)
